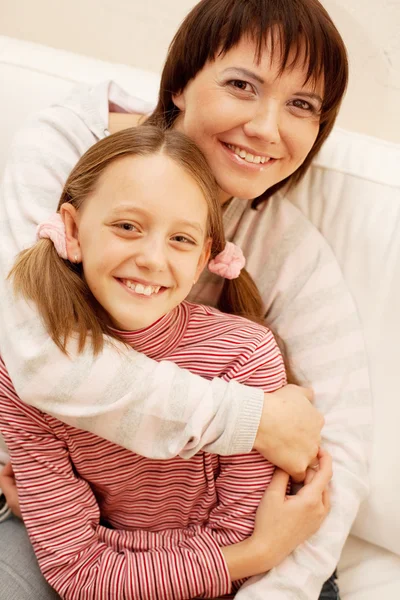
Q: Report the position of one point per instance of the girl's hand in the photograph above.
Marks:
(9, 489)
(284, 522)
(289, 434)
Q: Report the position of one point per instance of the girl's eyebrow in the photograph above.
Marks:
(124, 209)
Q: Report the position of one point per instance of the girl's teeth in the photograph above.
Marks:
(144, 290)
(251, 158)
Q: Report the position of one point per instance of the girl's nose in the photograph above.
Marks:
(151, 255)
(265, 124)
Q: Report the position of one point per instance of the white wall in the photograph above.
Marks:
(137, 32)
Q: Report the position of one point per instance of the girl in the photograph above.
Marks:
(257, 84)
(139, 221)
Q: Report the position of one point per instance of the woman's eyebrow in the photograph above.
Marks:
(310, 95)
(244, 73)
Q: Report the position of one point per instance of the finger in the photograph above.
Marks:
(309, 476)
(314, 463)
(326, 499)
(322, 476)
(299, 477)
(7, 470)
(7, 483)
(279, 482)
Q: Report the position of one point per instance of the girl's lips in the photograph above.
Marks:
(240, 162)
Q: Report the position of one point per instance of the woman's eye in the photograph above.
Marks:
(241, 85)
(304, 106)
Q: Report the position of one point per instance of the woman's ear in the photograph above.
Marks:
(69, 215)
(203, 260)
(179, 100)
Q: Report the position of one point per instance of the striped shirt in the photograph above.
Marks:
(108, 524)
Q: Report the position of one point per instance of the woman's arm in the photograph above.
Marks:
(138, 394)
(123, 397)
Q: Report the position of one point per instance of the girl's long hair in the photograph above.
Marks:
(58, 287)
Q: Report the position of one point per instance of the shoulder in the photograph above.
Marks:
(242, 350)
(208, 323)
(74, 123)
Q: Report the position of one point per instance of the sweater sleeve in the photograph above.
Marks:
(120, 395)
(81, 558)
(312, 310)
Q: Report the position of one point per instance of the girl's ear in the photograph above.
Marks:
(204, 258)
(69, 215)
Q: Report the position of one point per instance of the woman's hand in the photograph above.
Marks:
(282, 522)
(9, 489)
(289, 434)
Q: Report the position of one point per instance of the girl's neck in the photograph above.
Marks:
(162, 336)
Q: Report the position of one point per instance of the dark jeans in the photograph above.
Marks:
(330, 591)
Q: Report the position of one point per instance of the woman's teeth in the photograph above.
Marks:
(139, 288)
(251, 158)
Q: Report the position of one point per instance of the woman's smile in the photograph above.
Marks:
(254, 124)
(246, 159)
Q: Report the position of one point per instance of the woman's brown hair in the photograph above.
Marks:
(213, 27)
(58, 287)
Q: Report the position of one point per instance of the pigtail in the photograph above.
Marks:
(241, 297)
(61, 295)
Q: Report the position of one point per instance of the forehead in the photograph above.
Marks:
(274, 55)
(155, 183)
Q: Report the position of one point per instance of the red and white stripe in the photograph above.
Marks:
(109, 524)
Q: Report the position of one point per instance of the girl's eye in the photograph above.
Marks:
(182, 239)
(126, 226)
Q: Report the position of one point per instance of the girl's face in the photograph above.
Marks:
(254, 126)
(141, 237)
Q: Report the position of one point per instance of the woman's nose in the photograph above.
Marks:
(265, 124)
(151, 255)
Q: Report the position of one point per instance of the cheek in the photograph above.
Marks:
(302, 140)
(101, 253)
(186, 268)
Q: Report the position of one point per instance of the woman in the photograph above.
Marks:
(282, 122)
(138, 220)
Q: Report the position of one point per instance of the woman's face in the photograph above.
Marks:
(254, 126)
(141, 238)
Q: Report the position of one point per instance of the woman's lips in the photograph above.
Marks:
(244, 164)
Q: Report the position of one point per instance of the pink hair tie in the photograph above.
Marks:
(229, 262)
(54, 230)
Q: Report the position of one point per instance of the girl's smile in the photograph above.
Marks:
(141, 237)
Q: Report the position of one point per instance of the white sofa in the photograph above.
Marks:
(352, 194)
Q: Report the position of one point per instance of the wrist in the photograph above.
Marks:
(250, 557)
(261, 439)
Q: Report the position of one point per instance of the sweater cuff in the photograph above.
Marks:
(248, 420)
